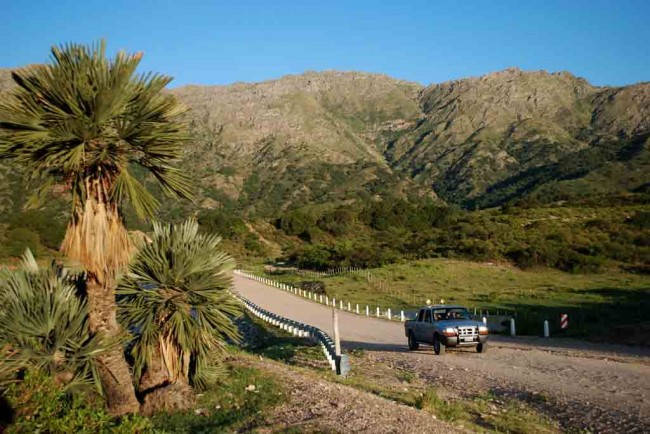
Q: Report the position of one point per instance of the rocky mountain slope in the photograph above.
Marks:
(476, 142)
(340, 136)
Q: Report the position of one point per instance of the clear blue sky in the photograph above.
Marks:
(216, 42)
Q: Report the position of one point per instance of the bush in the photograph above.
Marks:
(21, 239)
(44, 325)
(296, 222)
(221, 223)
(37, 404)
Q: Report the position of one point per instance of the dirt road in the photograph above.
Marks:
(605, 388)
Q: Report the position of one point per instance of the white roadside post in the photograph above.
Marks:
(388, 314)
(337, 337)
(377, 311)
(512, 327)
(401, 315)
(341, 304)
(546, 330)
(349, 307)
(484, 321)
(367, 310)
(357, 309)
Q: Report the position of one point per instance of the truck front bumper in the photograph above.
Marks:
(452, 341)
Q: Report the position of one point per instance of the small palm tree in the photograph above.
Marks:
(176, 300)
(82, 123)
(44, 326)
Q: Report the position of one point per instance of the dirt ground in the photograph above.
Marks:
(318, 405)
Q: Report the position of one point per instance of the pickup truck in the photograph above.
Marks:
(445, 326)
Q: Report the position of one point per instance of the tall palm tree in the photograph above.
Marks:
(82, 123)
(176, 299)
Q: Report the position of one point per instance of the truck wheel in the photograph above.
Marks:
(438, 347)
(413, 344)
(482, 348)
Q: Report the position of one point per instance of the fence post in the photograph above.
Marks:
(546, 330)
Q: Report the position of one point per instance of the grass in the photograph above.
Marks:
(599, 305)
(276, 344)
(238, 403)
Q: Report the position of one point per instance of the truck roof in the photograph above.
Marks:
(443, 306)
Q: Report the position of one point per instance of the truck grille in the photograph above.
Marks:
(467, 331)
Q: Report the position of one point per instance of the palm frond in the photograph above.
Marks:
(44, 325)
(85, 116)
(176, 299)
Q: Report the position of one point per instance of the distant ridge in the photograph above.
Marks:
(326, 137)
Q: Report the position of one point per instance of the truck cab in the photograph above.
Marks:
(445, 326)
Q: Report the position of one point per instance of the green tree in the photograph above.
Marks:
(176, 299)
(82, 123)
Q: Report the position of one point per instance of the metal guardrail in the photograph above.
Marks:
(339, 364)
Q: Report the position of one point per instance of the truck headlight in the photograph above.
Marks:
(449, 331)
(483, 330)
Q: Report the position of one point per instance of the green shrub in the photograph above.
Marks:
(39, 405)
(20, 239)
(44, 325)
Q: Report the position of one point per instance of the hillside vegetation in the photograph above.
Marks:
(365, 169)
(482, 141)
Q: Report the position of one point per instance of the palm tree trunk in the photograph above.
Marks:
(97, 239)
(162, 392)
(113, 369)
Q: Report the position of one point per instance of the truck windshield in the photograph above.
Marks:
(452, 314)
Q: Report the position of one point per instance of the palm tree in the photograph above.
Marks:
(44, 326)
(176, 299)
(82, 123)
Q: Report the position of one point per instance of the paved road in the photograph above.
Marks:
(355, 330)
(606, 384)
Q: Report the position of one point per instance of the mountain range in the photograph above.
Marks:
(323, 137)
